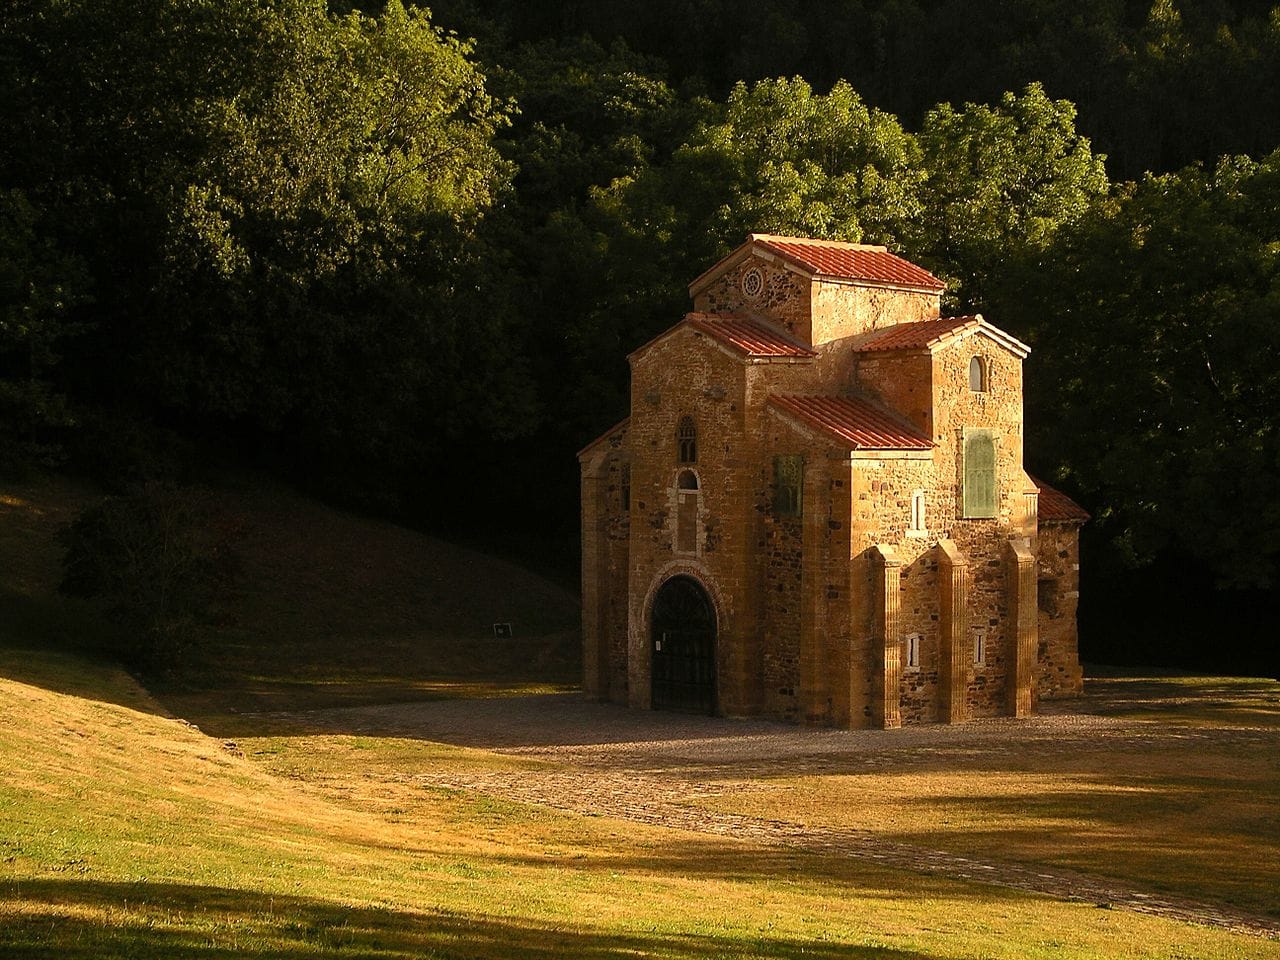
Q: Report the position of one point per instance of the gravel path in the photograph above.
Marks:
(653, 768)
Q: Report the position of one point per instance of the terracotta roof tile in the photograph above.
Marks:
(911, 336)
(850, 261)
(1056, 505)
(860, 423)
(928, 334)
(751, 337)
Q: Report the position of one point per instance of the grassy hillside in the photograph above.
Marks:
(327, 608)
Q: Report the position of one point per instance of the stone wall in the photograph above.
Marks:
(784, 297)
(844, 309)
(606, 532)
(1058, 672)
(813, 311)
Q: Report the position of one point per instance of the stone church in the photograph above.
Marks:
(817, 509)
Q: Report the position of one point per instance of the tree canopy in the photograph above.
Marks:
(401, 262)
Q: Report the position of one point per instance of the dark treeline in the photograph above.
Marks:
(1159, 84)
(405, 270)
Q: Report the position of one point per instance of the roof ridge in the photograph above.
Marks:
(817, 242)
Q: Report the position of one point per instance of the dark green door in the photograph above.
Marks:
(683, 639)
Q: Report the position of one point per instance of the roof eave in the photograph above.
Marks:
(620, 425)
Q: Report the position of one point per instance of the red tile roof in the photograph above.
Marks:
(1056, 505)
(859, 423)
(927, 334)
(751, 337)
(913, 336)
(848, 261)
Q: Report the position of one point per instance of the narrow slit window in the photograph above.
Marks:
(788, 480)
(913, 651)
(917, 512)
(980, 647)
(687, 440)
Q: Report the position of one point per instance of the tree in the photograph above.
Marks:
(1002, 181)
(280, 211)
(1152, 386)
(153, 558)
(40, 287)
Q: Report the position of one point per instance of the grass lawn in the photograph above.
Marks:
(129, 833)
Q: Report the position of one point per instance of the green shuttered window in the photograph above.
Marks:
(981, 495)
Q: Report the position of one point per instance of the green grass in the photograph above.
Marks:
(130, 833)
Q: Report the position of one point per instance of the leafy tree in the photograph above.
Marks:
(1152, 386)
(1002, 180)
(279, 209)
(39, 288)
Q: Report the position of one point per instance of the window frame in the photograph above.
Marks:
(686, 440)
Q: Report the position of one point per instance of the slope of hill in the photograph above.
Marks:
(327, 608)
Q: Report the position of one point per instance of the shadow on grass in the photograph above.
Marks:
(1230, 701)
(79, 919)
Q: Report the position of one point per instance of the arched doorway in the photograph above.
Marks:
(683, 634)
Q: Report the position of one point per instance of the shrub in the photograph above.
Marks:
(151, 556)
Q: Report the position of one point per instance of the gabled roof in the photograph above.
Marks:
(860, 424)
(1056, 505)
(751, 337)
(830, 259)
(935, 334)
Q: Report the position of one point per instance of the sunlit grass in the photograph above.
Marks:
(131, 834)
(1192, 810)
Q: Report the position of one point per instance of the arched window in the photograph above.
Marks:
(687, 440)
(688, 480)
(978, 375)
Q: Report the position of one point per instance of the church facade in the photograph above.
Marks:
(817, 508)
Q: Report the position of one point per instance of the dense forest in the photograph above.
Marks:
(399, 255)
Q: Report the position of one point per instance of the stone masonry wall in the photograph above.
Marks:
(616, 556)
(845, 309)
(784, 296)
(881, 512)
(814, 311)
(689, 374)
(1058, 672)
(895, 379)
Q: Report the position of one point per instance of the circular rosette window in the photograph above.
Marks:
(753, 283)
